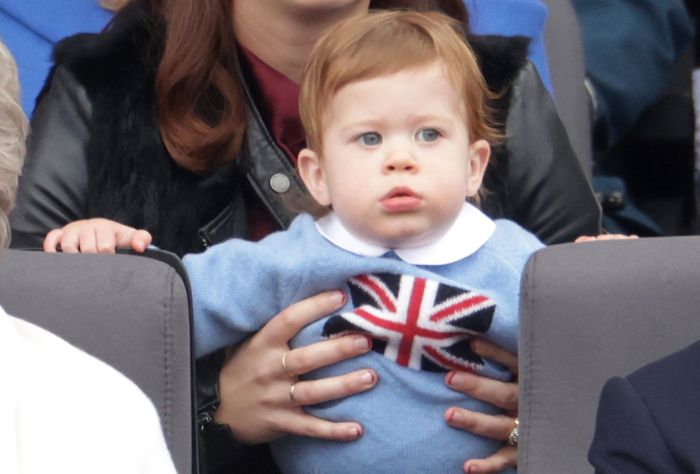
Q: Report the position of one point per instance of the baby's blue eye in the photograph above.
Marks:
(427, 135)
(370, 138)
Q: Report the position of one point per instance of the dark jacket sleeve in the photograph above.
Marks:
(53, 187)
(626, 438)
(547, 191)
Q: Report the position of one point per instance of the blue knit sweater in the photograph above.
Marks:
(238, 286)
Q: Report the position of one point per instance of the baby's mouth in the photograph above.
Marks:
(400, 199)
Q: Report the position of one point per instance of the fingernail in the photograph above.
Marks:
(450, 378)
(472, 470)
(355, 431)
(458, 378)
(449, 416)
(362, 343)
(338, 297)
(476, 345)
(367, 378)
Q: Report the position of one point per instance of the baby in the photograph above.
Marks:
(398, 133)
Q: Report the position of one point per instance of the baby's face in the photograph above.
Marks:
(397, 161)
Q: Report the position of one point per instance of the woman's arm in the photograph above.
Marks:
(548, 191)
(53, 187)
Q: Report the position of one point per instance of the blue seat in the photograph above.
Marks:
(31, 28)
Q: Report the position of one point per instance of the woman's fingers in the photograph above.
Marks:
(501, 394)
(52, 240)
(70, 241)
(316, 391)
(589, 238)
(489, 426)
(257, 405)
(261, 398)
(305, 359)
(291, 320)
(502, 459)
(95, 235)
(491, 351)
(87, 240)
(301, 424)
(140, 240)
(106, 240)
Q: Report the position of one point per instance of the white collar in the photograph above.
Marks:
(470, 230)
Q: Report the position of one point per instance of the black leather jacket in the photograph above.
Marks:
(95, 151)
(547, 191)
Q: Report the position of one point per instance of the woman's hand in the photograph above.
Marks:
(500, 394)
(95, 236)
(588, 238)
(255, 384)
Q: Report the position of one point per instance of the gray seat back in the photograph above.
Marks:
(130, 311)
(590, 312)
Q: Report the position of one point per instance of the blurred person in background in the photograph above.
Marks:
(31, 29)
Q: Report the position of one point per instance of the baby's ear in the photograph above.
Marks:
(314, 177)
(479, 153)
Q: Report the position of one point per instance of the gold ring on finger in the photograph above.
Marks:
(291, 392)
(284, 364)
(512, 439)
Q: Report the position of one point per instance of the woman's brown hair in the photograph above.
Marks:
(199, 96)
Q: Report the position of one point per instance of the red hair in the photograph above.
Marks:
(383, 43)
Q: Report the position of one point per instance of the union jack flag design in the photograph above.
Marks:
(416, 322)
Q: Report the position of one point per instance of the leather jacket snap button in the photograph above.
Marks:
(279, 183)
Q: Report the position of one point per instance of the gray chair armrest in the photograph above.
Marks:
(590, 312)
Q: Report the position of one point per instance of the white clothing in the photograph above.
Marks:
(64, 411)
(467, 234)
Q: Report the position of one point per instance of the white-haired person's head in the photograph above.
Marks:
(13, 133)
(113, 5)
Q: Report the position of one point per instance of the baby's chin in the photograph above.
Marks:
(403, 237)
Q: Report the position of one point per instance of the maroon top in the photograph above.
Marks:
(277, 98)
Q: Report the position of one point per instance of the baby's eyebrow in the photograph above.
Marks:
(428, 117)
(369, 124)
